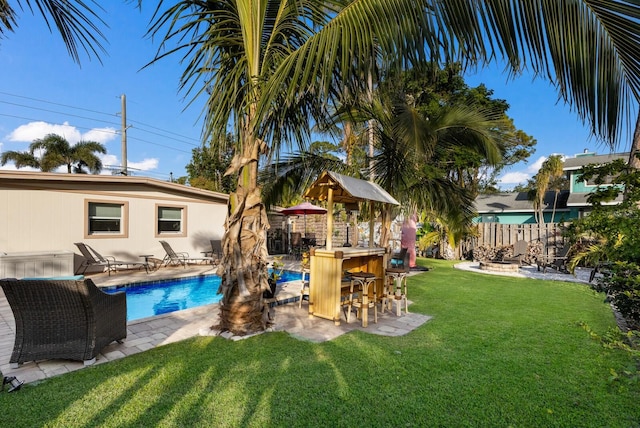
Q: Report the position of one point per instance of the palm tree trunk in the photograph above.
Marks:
(244, 264)
(634, 162)
(385, 231)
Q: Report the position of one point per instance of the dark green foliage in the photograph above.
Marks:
(621, 282)
(58, 152)
(611, 232)
(208, 166)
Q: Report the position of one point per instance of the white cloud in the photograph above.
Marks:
(34, 130)
(112, 161)
(535, 167)
(145, 164)
(108, 162)
(515, 177)
(100, 135)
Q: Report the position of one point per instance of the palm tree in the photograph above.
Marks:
(251, 57)
(20, 159)
(267, 67)
(550, 176)
(557, 181)
(58, 152)
(406, 143)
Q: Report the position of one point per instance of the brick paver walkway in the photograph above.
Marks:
(160, 330)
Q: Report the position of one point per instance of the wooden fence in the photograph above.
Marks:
(497, 235)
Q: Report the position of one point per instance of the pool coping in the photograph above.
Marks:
(151, 332)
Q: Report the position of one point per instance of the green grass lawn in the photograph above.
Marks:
(499, 351)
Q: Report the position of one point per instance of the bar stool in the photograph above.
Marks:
(395, 286)
(347, 295)
(304, 290)
(363, 280)
(396, 290)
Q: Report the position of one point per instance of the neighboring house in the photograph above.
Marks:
(580, 189)
(516, 208)
(123, 216)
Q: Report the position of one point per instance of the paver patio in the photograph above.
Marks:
(160, 330)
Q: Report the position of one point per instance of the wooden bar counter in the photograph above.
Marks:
(327, 272)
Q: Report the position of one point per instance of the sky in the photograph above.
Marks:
(43, 91)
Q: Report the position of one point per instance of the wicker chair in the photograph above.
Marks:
(63, 319)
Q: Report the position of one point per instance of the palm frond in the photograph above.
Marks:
(77, 22)
(589, 49)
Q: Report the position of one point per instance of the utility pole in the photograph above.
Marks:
(123, 100)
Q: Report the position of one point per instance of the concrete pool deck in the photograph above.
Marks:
(148, 333)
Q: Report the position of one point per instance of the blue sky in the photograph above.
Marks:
(43, 91)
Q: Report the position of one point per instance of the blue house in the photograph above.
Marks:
(516, 208)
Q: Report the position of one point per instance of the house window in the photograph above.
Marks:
(606, 180)
(171, 220)
(106, 218)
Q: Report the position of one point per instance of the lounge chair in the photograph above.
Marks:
(63, 319)
(557, 262)
(173, 258)
(519, 252)
(216, 249)
(94, 258)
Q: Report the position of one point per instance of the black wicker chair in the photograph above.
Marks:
(63, 319)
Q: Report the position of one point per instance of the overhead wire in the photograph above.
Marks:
(181, 140)
(161, 133)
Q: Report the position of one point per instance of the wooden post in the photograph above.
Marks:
(329, 218)
(371, 224)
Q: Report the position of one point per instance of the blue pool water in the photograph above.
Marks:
(161, 297)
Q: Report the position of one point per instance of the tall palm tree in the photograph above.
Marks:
(550, 176)
(406, 142)
(557, 181)
(266, 67)
(57, 152)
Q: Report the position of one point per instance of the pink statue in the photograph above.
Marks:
(408, 238)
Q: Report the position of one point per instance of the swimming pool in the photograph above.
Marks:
(148, 299)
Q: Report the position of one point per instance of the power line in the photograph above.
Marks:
(57, 112)
(184, 137)
(53, 103)
(105, 131)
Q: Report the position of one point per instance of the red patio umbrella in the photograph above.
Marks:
(304, 209)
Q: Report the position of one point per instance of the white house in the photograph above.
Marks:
(123, 216)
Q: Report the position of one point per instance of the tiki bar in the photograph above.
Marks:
(347, 276)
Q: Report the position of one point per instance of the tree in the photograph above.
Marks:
(557, 180)
(431, 88)
(550, 176)
(251, 57)
(611, 231)
(57, 152)
(208, 165)
(267, 67)
(406, 147)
